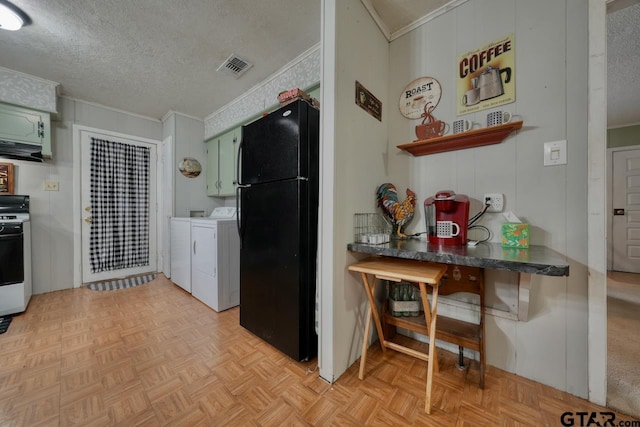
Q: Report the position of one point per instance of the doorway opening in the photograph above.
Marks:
(623, 207)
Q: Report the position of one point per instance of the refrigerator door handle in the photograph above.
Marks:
(239, 188)
(238, 163)
(238, 210)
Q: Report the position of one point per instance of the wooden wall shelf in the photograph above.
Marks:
(459, 141)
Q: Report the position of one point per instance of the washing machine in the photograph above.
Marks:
(215, 259)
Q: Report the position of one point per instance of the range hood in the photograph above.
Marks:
(20, 151)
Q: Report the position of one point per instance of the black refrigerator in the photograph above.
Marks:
(278, 227)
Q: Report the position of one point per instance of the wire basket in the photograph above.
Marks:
(371, 228)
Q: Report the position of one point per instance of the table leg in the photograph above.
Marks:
(428, 315)
(365, 342)
(370, 289)
(371, 312)
(431, 324)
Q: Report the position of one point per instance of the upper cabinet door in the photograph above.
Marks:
(315, 93)
(212, 167)
(227, 163)
(24, 125)
(221, 164)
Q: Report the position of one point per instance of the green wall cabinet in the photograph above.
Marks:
(222, 157)
(27, 126)
(315, 93)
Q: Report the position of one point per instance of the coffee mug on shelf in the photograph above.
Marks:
(461, 125)
(498, 118)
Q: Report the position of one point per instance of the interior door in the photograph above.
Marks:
(91, 218)
(626, 211)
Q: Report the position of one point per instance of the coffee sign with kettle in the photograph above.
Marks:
(486, 76)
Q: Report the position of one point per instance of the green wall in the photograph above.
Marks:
(623, 137)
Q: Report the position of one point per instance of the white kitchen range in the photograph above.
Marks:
(15, 254)
(205, 259)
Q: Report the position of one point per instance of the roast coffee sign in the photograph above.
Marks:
(486, 76)
(417, 94)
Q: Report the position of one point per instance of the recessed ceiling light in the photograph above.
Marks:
(11, 17)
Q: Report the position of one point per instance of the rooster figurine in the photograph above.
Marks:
(398, 213)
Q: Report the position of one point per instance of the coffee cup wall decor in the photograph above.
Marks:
(498, 118)
(430, 127)
(471, 97)
(461, 125)
(431, 130)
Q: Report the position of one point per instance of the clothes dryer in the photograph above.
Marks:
(215, 259)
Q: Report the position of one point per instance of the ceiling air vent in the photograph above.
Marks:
(235, 65)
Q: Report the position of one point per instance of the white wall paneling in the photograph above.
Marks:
(551, 346)
(353, 141)
(327, 184)
(191, 193)
(596, 167)
(52, 212)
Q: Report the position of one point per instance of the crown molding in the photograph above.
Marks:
(116, 110)
(177, 113)
(378, 20)
(391, 36)
(614, 5)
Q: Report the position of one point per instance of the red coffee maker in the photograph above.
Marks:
(447, 215)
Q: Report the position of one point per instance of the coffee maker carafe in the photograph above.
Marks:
(447, 214)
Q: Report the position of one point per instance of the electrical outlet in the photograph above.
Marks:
(496, 200)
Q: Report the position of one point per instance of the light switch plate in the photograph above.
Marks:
(555, 153)
(51, 186)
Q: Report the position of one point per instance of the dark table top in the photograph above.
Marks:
(534, 260)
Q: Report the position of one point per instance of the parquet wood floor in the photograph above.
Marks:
(154, 356)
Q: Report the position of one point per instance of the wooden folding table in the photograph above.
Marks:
(396, 270)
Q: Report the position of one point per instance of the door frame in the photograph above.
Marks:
(596, 203)
(165, 161)
(77, 189)
(610, 152)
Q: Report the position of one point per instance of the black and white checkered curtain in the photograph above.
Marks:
(119, 236)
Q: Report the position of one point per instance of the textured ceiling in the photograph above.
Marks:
(152, 56)
(623, 66)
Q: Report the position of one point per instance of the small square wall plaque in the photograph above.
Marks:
(368, 102)
(6, 178)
